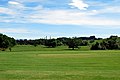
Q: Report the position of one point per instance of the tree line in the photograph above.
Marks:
(74, 42)
(113, 42)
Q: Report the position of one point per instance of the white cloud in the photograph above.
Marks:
(22, 14)
(13, 30)
(88, 21)
(24, 1)
(111, 9)
(13, 3)
(79, 4)
(4, 10)
(16, 6)
(69, 17)
(62, 17)
(106, 10)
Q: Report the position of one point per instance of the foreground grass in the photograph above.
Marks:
(59, 65)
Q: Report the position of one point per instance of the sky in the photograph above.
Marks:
(34, 19)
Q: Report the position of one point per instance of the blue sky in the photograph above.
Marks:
(33, 19)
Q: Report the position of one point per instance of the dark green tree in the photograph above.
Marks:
(95, 46)
(6, 42)
(51, 43)
(111, 43)
(74, 43)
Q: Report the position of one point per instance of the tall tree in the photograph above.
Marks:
(6, 42)
(74, 43)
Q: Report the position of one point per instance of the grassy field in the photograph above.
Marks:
(38, 63)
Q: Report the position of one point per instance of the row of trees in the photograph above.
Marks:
(101, 44)
(107, 44)
(62, 40)
(70, 42)
(6, 42)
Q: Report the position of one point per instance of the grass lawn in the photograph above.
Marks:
(38, 63)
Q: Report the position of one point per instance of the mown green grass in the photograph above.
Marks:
(38, 63)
